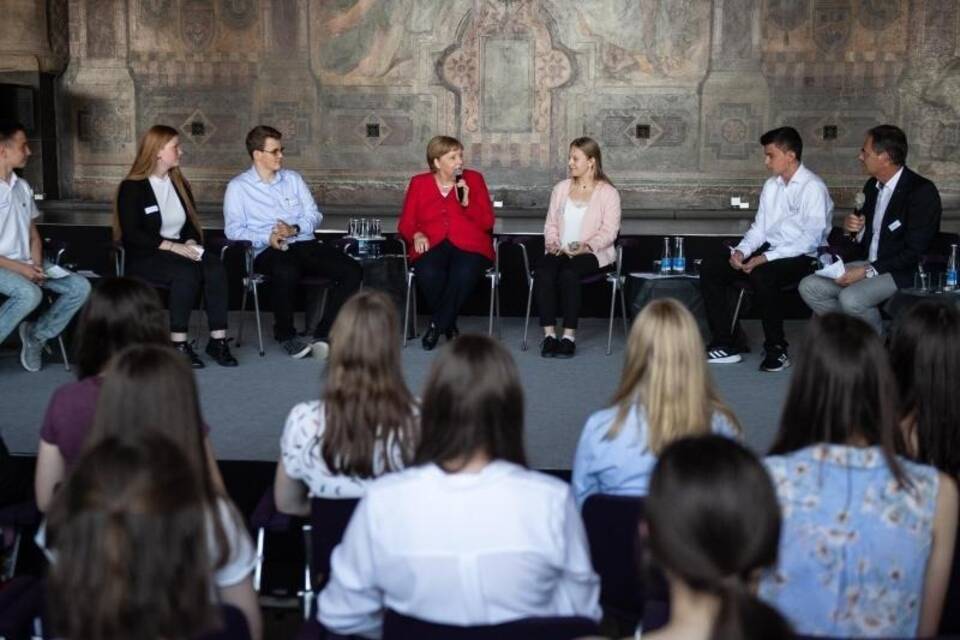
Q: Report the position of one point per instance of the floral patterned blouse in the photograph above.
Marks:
(854, 545)
(301, 453)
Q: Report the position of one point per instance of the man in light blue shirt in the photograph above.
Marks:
(273, 208)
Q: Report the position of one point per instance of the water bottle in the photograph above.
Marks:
(666, 261)
(951, 283)
(363, 247)
(679, 260)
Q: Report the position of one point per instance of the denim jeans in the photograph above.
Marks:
(24, 296)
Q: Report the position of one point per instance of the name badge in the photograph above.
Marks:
(151, 209)
(894, 225)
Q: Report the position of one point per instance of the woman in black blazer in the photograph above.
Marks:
(156, 221)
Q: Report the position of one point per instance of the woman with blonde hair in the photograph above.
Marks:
(364, 426)
(155, 219)
(665, 393)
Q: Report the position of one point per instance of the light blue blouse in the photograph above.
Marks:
(621, 466)
(854, 545)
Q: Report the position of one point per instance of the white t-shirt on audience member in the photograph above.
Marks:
(461, 548)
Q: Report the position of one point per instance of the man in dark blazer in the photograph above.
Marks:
(898, 221)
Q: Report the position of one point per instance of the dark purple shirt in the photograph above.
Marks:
(70, 415)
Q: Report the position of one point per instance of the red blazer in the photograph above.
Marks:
(427, 211)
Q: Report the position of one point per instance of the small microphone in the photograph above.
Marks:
(858, 203)
(457, 177)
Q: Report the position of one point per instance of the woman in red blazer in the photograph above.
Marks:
(447, 223)
(582, 224)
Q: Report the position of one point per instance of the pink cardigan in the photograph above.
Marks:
(601, 222)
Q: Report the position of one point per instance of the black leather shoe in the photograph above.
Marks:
(548, 348)
(566, 348)
(430, 338)
(452, 333)
(219, 350)
(189, 354)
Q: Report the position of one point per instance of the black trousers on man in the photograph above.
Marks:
(447, 275)
(561, 274)
(767, 281)
(184, 278)
(285, 268)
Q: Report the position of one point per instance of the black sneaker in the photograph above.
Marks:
(565, 348)
(219, 350)
(548, 348)
(189, 354)
(430, 338)
(297, 348)
(775, 360)
(452, 334)
(723, 355)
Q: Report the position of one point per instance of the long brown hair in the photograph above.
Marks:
(132, 554)
(155, 139)
(151, 389)
(665, 373)
(591, 149)
(365, 399)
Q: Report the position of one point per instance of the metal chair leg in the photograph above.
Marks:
(623, 310)
(243, 308)
(63, 352)
(613, 308)
(499, 327)
(736, 312)
(526, 319)
(256, 307)
(493, 289)
(406, 309)
(258, 567)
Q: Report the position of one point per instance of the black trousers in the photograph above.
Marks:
(285, 268)
(184, 278)
(561, 274)
(16, 480)
(767, 281)
(447, 276)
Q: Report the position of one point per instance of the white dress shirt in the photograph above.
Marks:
(793, 217)
(884, 193)
(17, 211)
(461, 548)
(172, 214)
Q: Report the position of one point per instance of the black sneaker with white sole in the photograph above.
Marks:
(775, 360)
(297, 348)
(723, 355)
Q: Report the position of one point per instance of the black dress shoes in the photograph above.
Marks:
(219, 350)
(566, 348)
(452, 333)
(548, 348)
(430, 338)
(189, 354)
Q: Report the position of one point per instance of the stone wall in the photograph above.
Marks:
(676, 91)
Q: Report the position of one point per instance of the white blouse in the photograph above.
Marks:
(573, 213)
(172, 214)
(301, 452)
(461, 548)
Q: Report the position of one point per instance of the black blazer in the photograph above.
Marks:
(915, 205)
(140, 231)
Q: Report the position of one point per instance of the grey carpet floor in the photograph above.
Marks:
(246, 406)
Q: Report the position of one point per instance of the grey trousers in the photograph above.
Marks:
(861, 299)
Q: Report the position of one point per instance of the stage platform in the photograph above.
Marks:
(246, 406)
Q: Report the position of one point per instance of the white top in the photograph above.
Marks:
(240, 561)
(461, 548)
(884, 193)
(172, 215)
(17, 210)
(301, 453)
(573, 213)
(794, 217)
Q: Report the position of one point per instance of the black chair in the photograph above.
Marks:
(265, 520)
(612, 275)
(22, 517)
(397, 626)
(492, 276)
(234, 625)
(328, 521)
(21, 601)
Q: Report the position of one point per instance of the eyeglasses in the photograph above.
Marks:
(274, 152)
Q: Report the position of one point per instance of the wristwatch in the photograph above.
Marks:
(871, 272)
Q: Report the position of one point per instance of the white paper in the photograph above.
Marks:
(832, 271)
(55, 272)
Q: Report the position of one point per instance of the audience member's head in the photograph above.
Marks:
(925, 354)
(120, 312)
(365, 397)
(472, 405)
(842, 392)
(714, 523)
(128, 532)
(666, 374)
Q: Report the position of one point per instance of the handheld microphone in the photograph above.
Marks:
(457, 177)
(858, 203)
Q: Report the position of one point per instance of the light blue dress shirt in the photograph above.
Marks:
(621, 466)
(251, 207)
